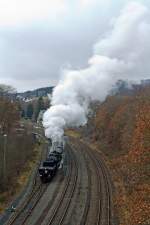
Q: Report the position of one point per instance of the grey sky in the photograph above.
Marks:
(39, 38)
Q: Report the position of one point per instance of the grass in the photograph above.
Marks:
(19, 183)
(72, 133)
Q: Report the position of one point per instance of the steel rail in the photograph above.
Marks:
(104, 211)
(36, 188)
(49, 205)
(72, 186)
(108, 190)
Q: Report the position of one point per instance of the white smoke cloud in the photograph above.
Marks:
(123, 54)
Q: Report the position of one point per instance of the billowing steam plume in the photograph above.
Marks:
(124, 53)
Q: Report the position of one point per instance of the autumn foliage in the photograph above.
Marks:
(16, 142)
(121, 129)
(9, 115)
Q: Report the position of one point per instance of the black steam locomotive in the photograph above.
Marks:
(49, 167)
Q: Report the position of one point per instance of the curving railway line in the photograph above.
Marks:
(81, 196)
(98, 210)
(104, 205)
(60, 211)
(23, 211)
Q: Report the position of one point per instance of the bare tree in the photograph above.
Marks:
(9, 115)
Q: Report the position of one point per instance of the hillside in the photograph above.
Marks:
(11, 93)
(121, 130)
(40, 92)
(18, 151)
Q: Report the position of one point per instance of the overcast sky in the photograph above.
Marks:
(38, 38)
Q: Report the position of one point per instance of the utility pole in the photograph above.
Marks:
(4, 156)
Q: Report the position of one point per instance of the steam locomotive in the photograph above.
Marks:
(49, 167)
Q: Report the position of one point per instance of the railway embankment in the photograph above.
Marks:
(20, 186)
(80, 193)
(99, 206)
(120, 130)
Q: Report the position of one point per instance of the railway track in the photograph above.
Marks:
(24, 210)
(104, 205)
(89, 193)
(107, 214)
(60, 210)
(98, 208)
(56, 207)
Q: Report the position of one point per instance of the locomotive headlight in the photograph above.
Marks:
(46, 171)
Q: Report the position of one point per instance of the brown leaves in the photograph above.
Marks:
(140, 139)
(139, 205)
(122, 129)
(9, 115)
